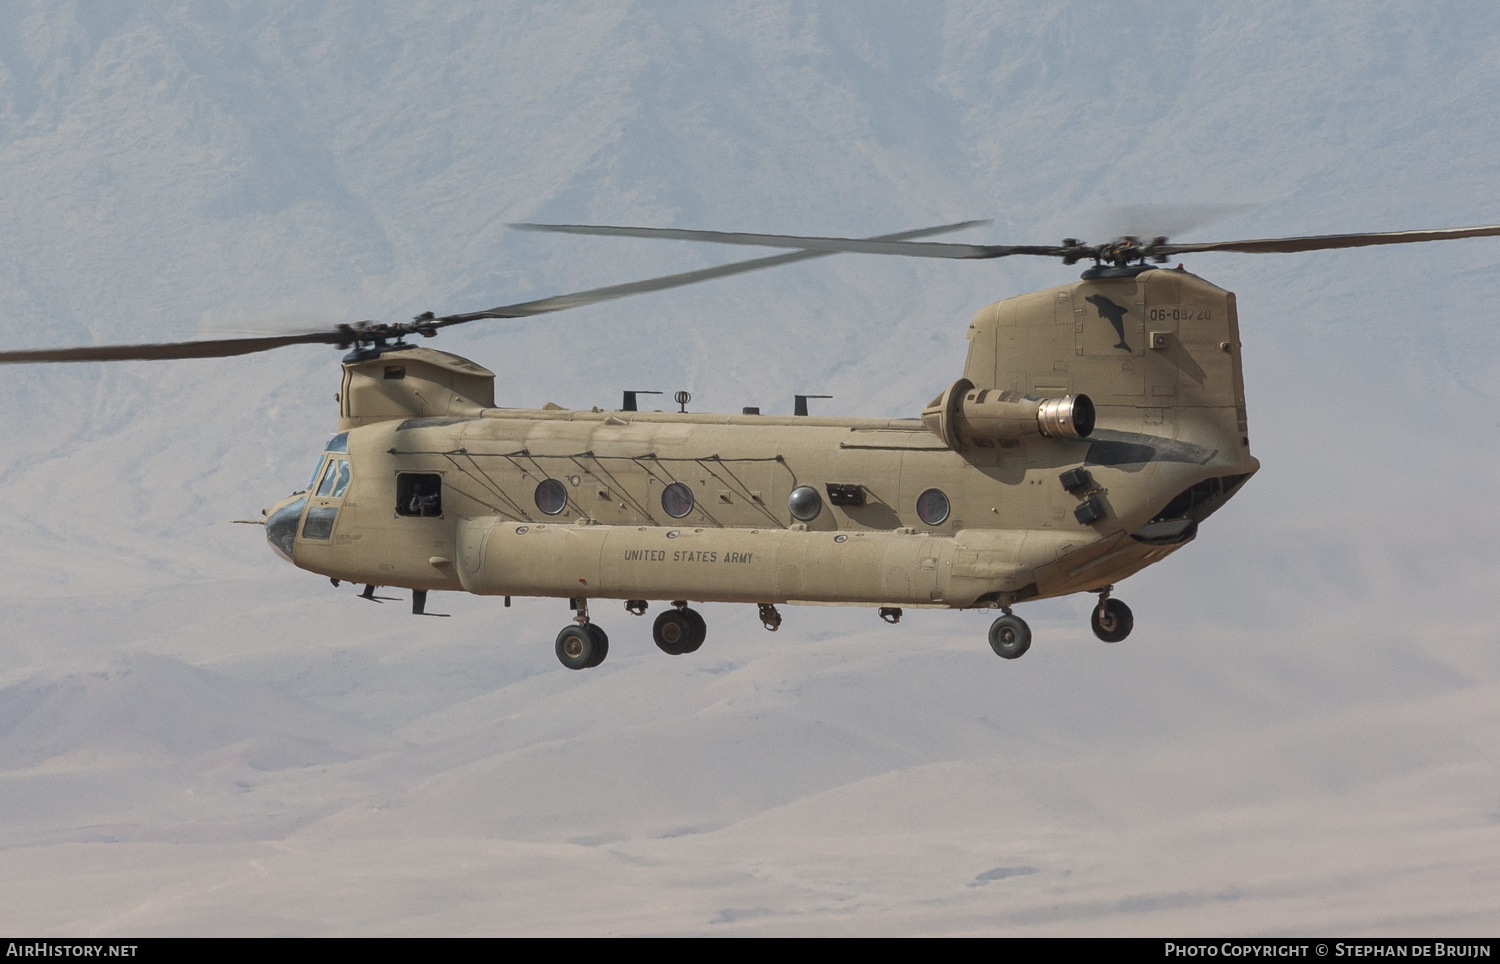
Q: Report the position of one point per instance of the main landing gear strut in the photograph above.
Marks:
(582, 645)
(1111, 620)
(1010, 637)
(679, 630)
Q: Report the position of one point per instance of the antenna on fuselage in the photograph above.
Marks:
(799, 403)
(629, 404)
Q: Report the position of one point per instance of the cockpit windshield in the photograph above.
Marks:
(312, 480)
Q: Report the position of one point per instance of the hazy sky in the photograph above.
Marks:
(1300, 736)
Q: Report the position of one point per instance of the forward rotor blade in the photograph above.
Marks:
(216, 348)
(595, 295)
(345, 334)
(1325, 241)
(889, 244)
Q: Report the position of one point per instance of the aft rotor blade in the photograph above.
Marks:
(889, 244)
(1325, 241)
(216, 348)
(595, 295)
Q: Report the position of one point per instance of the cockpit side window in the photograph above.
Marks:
(338, 445)
(321, 516)
(335, 479)
(343, 480)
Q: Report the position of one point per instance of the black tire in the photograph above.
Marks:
(576, 647)
(1115, 623)
(601, 645)
(673, 632)
(1010, 637)
(699, 630)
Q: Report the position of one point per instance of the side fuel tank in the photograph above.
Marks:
(900, 567)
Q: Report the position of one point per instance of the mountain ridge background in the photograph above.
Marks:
(197, 738)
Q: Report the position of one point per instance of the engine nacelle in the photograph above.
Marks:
(964, 415)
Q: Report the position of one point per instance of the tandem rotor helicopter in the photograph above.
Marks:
(1096, 425)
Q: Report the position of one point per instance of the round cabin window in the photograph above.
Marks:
(932, 507)
(677, 500)
(805, 503)
(551, 497)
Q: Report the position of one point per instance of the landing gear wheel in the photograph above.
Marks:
(601, 645)
(672, 631)
(578, 648)
(1010, 637)
(1112, 621)
(698, 630)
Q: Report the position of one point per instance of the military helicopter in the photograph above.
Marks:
(1096, 425)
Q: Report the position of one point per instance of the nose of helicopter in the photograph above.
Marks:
(281, 524)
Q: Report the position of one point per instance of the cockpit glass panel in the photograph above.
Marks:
(335, 479)
(343, 480)
(281, 527)
(312, 480)
(330, 475)
(319, 522)
(339, 443)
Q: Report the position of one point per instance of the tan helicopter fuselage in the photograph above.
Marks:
(440, 490)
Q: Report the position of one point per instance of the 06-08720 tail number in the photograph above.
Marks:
(1180, 314)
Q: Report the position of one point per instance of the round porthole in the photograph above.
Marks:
(805, 503)
(550, 496)
(932, 507)
(677, 500)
